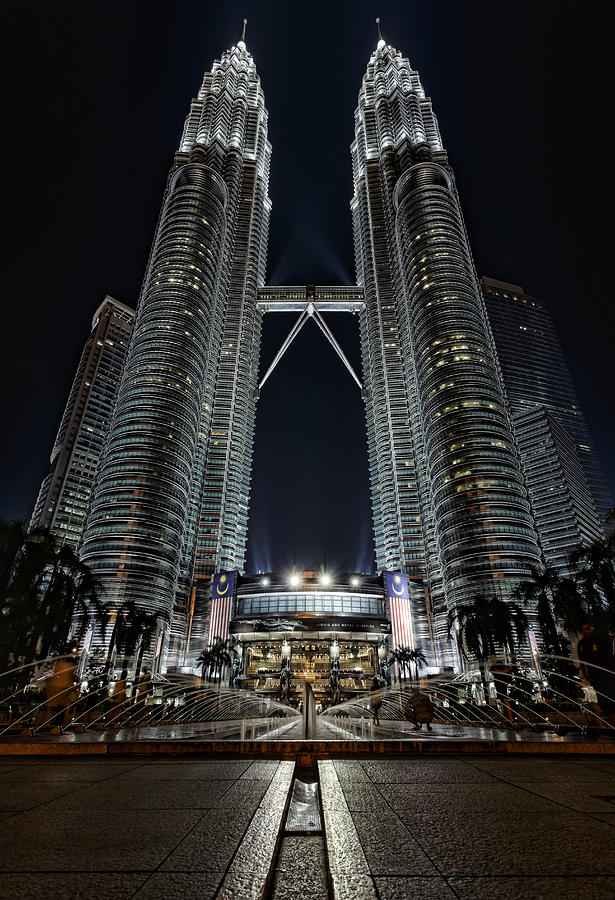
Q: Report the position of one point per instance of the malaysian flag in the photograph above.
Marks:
(222, 590)
(399, 610)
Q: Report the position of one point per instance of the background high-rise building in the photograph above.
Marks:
(535, 373)
(170, 503)
(65, 492)
(563, 508)
(449, 503)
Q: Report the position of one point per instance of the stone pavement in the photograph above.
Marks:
(437, 827)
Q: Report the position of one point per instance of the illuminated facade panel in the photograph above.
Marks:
(563, 508)
(170, 503)
(65, 492)
(450, 507)
(535, 373)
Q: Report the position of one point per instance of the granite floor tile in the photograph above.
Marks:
(46, 840)
(70, 885)
(609, 818)
(534, 888)
(193, 771)
(432, 771)
(434, 888)
(301, 872)
(389, 847)
(277, 792)
(548, 844)
(361, 796)
(604, 764)
(246, 795)
(347, 886)
(145, 794)
(209, 847)
(261, 770)
(331, 793)
(583, 795)
(409, 799)
(539, 770)
(180, 886)
(350, 770)
(90, 771)
(22, 795)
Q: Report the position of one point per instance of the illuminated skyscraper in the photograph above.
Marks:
(535, 373)
(170, 504)
(563, 509)
(450, 507)
(171, 500)
(65, 491)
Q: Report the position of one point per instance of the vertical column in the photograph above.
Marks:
(135, 530)
(482, 517)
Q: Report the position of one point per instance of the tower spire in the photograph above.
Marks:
(381, 42)
(242, 43)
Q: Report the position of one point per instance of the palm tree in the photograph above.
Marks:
(213, 658)
(487, 623)
(593, 568)
(12, 538)
(45, 588)
(402, 657)
(205, 661)
(558, 604)
(417, 658)
(133, 632)
(555, 599)
(221, 655)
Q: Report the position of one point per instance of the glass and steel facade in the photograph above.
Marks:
(65, 492)
(169, 506)
(450, 506)
(309, 628)
(535, 373)
(563, 508)
(170, 502)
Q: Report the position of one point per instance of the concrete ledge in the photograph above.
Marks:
(306, 751)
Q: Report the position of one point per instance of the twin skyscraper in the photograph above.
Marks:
(167, 506)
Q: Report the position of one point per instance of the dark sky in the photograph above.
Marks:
(96, 98)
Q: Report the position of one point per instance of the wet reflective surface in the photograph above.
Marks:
(499, 826)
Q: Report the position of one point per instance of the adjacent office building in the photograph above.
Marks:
(535, 373)
(65, 492)
(563, 508)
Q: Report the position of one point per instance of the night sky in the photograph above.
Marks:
(95, 103)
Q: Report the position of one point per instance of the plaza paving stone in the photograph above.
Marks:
(71, 885)
(572, 888)
(585, 796)
(179, 886)
(301, 872)
(162, 794)
(475, 828)
(433, 888)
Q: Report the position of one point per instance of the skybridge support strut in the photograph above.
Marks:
(310, 311)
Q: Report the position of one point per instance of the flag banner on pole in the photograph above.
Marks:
(222, 591)
(398, 600)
